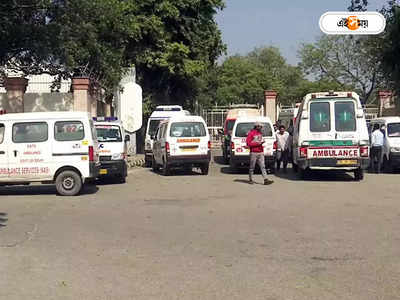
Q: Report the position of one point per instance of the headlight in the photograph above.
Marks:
(395, 149)
(118, 156)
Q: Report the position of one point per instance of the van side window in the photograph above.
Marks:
(2, 128)
(345, 118)
(320, 117)
(30, 132)
(69, 131)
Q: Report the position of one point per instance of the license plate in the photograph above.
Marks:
(188, 149)
(346, 162)
(103, 171)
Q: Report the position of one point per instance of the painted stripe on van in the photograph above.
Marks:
(70, 154)
(330, 143)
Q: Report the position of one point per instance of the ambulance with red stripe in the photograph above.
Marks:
(331, 133)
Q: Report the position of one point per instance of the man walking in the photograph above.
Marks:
(255, 142)
(282, 154)
(376, 148)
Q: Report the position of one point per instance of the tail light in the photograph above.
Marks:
(275, 145)
(364, 151)
(167, 147)
(349, 95)
(209, 145)
(232, 146)
(91, 153)
(303, 152)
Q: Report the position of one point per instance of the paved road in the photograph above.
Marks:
(204, 237)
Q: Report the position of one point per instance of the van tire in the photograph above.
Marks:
(295, 167)
(165, 169)
(359, 174)
(204, 169)
(68, 183)
(303, 173)
(147, 163)
(386, 165)
(154, 165)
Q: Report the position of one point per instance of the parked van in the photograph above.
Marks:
(240, 152)
(161, 113)
(391, 147)
(112, 148)
(231, 116)
(331, 134)
(48, 147)
(182, 141)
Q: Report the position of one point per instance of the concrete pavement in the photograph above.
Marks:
(190, 236)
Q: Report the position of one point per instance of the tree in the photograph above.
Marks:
(346, 60)
(391, 50)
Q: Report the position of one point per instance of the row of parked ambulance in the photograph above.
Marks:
(67, 149)
(329, 133)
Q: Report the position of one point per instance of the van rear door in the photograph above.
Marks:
(188, 138)
(3, 153)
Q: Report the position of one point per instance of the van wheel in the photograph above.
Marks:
(303, 173)
(387, 167)
(154, 165)
(147, 163)
(165, 169)
(359, 174)
(204, 169)
(68, 183)
(295, 167)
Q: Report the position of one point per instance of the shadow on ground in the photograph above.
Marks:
(18, 190)
(3, 219)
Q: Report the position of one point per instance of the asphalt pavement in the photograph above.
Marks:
(189, 236)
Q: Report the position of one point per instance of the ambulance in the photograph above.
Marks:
(162, 112)
(112, 148)
(182, 142)
(240, 152)
(48, 147)
(330, 133)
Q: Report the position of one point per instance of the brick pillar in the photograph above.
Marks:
(80, 88)
(270, 105)
(385, 104)
(16, 88)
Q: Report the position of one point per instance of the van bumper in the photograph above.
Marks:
(332, 164)
(244, 160)
(113, 168)
(180, 160)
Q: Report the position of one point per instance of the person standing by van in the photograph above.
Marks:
(282, 155)
(255, 142)
(376, 148)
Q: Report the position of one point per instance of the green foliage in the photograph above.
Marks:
(391, 50)
(345, 60)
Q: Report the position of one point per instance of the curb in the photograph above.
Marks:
(135, 162)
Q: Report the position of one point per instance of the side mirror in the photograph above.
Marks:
(127, 138)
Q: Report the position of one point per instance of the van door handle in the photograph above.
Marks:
(15, 153)
(2, 152)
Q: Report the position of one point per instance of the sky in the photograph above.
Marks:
(247, 24)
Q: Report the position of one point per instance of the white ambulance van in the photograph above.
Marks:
(240, 152)
(162, 112)
(49, 147)
(182, 142)
(391, 147)
(331, 134)
(112, 148)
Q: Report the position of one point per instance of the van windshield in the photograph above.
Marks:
(108, 133)
(393, 129)
(345, 118)
(243, 129)
(153, 125)
(320, 117)
(187, 129)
